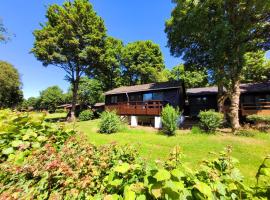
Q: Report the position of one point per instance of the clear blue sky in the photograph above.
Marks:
(124, 19)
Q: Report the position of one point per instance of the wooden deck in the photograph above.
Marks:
(150, 108)
(262, 108)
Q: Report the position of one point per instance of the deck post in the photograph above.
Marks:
(158, 122)
(134, 121)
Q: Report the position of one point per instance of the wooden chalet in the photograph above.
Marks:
(145, 100)
(254, 99)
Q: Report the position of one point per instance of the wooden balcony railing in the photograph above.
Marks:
(137, 108)
(260, 108)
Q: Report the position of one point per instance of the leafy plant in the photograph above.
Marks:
(21, 132)
(262, 122)
(110, 122)
(210, 120)
(169, 118)
(86, 115)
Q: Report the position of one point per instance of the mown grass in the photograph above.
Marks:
(153, 145)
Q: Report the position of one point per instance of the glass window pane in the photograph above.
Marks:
(147, 97)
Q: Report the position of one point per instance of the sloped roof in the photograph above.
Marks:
(145, 87)
(244, 88)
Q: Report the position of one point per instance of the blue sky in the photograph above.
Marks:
(124, 19)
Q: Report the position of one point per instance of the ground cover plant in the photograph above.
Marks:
(261, 122)
(22, 132)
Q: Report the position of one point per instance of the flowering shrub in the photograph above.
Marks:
(21, 132)
(84, 171)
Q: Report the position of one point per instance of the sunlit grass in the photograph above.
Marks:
(152, 145)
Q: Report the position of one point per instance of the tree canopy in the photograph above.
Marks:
(217, 34)
(51, 97)
(72, 39)
(192, 79)
(90, 91)
(143, 61)
(3, 32)
(256, 67)
(10, 86)
(110, 71)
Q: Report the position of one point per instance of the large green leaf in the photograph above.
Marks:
(162, 175)
(8, 151)
(204, 189)
(16, 143)
(123, 168)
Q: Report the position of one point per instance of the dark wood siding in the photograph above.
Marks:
(198, 103)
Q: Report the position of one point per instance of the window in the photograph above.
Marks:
(158, 96)
(114, 99)
(201, 100)
(147, 97)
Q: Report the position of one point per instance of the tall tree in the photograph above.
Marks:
(220, 32)
(256, 67)
(72, 39)
(10, 86)
(143, 61)
(90, 91)
(110, 72)
(51, 97)
(192, 79)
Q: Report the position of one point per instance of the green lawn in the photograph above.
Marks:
(153, 145)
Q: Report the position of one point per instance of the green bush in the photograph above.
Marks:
(22, 132)
(245, 133)
(169, 117)
(86, 115)
(262, 122)
(210, 120)
(110, 122)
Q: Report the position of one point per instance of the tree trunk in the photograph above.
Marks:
(221, 98)
(74, 99)
(234, 108)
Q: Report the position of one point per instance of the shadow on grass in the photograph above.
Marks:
(56, 119)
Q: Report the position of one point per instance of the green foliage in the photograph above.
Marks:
(110, 122)
(31, 103)
(169, 118)
(72, 39)
(80, 170)
(143, 62)
(90, 91)
(210, 120)
(84, 171)
(262, 122)
(10, 86)
(213, 34)
(256, 67)
(21, 132)
(50, 98)
(192, 79)
(196, 130)
(86, 115)
(110, 74)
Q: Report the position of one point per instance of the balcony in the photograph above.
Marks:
(150, 108)
(260, 108)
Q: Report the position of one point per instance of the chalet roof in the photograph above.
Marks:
(145, 87)
(244, 88)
